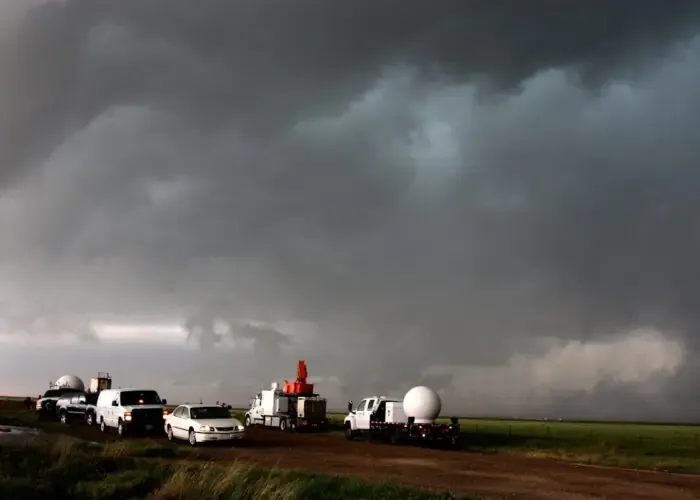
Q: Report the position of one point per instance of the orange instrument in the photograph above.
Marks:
(299, 386)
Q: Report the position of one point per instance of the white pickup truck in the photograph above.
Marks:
(382, 418)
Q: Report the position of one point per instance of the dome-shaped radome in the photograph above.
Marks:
(423, 404)
(70, 382)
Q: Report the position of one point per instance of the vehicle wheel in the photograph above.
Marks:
(394, 437)
(170, 433)
(89, 418)
(103, 427)
(121, 428)
(193, 438)
(349, 435)
(63, 417)
(247, 421)
(283, 425)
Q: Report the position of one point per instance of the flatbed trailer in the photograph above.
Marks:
(444, 435)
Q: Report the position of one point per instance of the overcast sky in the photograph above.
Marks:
(496, 198)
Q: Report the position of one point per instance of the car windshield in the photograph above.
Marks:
(133, 398)
(205, 412)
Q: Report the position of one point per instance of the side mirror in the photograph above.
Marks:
(349, 406)
(164, 401)
(114, 403)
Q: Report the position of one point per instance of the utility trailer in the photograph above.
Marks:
(383, 419)
(296, 407)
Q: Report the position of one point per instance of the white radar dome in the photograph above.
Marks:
(70, 382)
(423, 404)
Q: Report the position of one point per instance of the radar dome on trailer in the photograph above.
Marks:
(423, 404)
(70, 382)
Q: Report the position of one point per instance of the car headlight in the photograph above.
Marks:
(127, 416)
(240, 428)
(206, 428)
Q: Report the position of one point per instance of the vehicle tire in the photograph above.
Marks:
(192, 438)
(247, 421)
(349, 435)
(283, 425)
(169, 432)
(63, 417)
(394, 437)
(121, 428)
(89, 418)
(103, 426)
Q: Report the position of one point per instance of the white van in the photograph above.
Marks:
(130, 410)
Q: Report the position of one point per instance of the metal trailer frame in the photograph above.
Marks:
(443, 435)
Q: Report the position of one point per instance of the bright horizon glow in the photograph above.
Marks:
(153, 333)
(107, 333)
(141, 333)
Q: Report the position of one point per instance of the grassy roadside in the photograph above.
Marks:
(73, 469)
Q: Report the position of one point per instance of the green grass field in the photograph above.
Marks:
(659, 447)
(72, 469)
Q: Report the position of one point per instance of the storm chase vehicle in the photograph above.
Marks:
(130, 410)
(202, 424)
(72, 407)
(46, 404)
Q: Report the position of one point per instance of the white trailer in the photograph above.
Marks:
(286, 411)
(413, 420)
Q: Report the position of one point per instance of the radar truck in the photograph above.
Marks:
(411, 420)
(294, 407)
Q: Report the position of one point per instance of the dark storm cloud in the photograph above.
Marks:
(285, 160)
(276, 61)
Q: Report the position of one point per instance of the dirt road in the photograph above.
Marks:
(493, 476)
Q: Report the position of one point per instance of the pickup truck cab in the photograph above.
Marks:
(358, 421)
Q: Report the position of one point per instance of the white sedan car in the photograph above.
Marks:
(203, 423)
